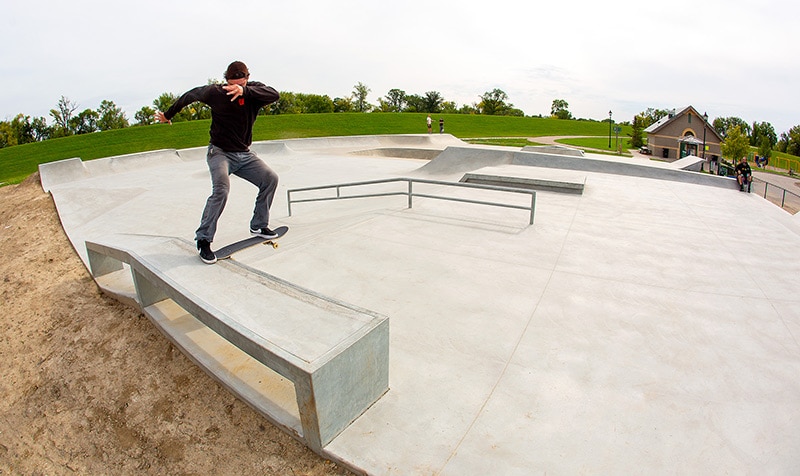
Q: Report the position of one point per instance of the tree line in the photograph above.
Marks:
(65, 121)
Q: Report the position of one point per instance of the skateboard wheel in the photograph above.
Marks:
(274, 246)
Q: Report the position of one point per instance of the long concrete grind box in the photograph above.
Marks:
(335, 354)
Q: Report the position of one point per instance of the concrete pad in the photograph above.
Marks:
(650, 324)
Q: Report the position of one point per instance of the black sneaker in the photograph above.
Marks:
(264, 233)
(206, 254)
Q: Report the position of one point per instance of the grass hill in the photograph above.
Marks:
(18, 162)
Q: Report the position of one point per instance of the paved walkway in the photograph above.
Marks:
(638, 327)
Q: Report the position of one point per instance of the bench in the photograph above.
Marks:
(335, 355)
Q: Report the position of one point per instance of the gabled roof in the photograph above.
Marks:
(661, 123)
(657, 125)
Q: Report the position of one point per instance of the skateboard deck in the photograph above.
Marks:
(226, 251)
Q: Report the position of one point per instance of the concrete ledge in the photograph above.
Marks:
(554, 149)
(528, 178)
(336, 355)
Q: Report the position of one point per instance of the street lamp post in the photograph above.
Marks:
(609, 130)
(705, 120)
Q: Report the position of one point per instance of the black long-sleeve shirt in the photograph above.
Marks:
(231, 121)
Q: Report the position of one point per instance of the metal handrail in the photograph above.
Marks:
(767, 185)
(410, 193)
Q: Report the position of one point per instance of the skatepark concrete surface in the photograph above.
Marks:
(647, 324)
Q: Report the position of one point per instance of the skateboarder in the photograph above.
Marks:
(234, 108)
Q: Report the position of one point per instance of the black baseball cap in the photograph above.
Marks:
(237, 70)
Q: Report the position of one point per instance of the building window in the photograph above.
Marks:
(690, 118)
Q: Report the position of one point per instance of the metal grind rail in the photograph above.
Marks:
(410, 193)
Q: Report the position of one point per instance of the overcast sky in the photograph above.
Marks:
(724, 57)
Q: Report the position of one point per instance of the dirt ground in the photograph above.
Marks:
(89, 386)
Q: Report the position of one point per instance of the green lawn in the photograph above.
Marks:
(598, 143)
(780, 160)
(18, 162)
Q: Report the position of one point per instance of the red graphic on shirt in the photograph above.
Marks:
(241, 101)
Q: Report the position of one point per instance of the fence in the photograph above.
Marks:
(785, 199)
(410, 193)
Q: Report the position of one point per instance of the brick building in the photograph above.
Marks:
(682, 134)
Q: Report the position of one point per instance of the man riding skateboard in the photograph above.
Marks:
(234, 109)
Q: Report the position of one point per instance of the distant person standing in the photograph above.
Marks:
(441, 125)
(234, 109)
(430, 124)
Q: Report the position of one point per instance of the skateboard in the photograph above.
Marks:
(226, 251)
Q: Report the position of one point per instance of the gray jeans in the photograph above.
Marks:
(246, 165)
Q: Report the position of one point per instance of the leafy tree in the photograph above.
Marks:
(469, 109)
(41, 131)
(85, 122)
(761, 131)
(791, 141)
(637, 131)
(450, 107)
(433, 102)
(736, 144)
(7, 136)
(343, 104)
(111, 116)
(493, 102)
(145, 116)
(724, 124)
(314, 103)
(163, 102)
(396, 100)
(560, 109)
(62, 116)
(360, 93)
(383, 106)
(765, 149)
(286, 104)
(653, 115)
(23, 129)
(415, 103)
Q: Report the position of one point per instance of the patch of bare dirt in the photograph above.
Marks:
(90, 386)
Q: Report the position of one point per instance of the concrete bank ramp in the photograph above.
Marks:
(354, 143)
(458, 160)
(455, 161)
(74, 169)
(689, 162)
